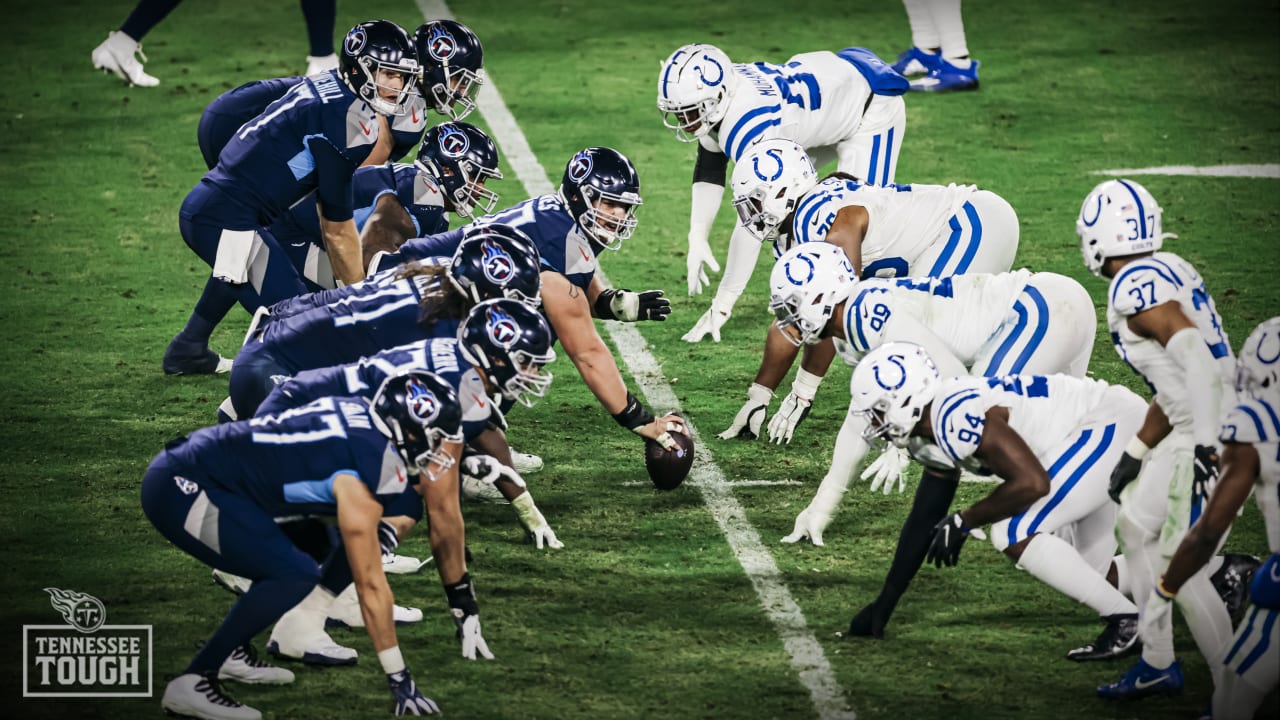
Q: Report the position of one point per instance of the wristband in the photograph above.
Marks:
(633, 415)
(1136, 449)
(1164, 593)
(391, 659)
(462, 594)
(603, 307)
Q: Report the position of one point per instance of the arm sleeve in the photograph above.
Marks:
(1204, 386)
(703, 207)
(712, 167)
(744, 250)
(333, 178)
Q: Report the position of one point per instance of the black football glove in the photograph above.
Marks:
(1206, 472)
(1122, 474)
(948, 537)
(629, 306)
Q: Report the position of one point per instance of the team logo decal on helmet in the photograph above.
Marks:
(502, 327)
(702, 71)
(498, 265)
(1097, 211)
(355, 40)
(441, 45)
(454, 142)
(580, 167)
(808, 270)
(777, 172)
(423, 403)
(895, 360)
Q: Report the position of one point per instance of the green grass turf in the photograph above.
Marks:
(645, 613)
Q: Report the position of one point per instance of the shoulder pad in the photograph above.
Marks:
(866, 315)
(1141, 285)
(959, 420)
(1250, 423)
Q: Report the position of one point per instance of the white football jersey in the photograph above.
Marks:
(902, 220)
(816, 99)
(1043, 409)
(964, 311)
(1256, 422)
(1146, 283)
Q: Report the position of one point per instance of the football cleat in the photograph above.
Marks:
(244, 666)
(1143, 680)
(525, 463)
(914, 62)
(948, 78)
(400, 564)
(345, 612)
(201, 696)
(1232, 582)
(319, 649)
(232, 583)
(116, 55)
(184, 358)
(316, 65)
(1117, 639)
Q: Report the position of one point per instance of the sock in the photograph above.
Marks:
(1055, 563)
(932, 501)
(145, 16)
(265, 601)
(924, 32)
(950, 28)
(320, 15)
(1206, 617)
(1123, 576)
(306, 619)
(215, 302)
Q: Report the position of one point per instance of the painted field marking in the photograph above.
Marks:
(1251, 171)
(807, 658)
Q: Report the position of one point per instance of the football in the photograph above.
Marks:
(668, 468)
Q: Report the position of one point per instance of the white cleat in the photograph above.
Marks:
(400, 564)
(197, 696)
(317, 649)
(244, 666)
(116, 55)
(345, 611)
(325, 63)
(525, 463)
(232, 583)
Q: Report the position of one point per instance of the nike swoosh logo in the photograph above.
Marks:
(413, 117)
(1140, 685)
(478, 400)
(364, 128)
(297, 244)
(585, 256)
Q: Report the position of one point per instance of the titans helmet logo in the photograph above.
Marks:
(708, 64)
(580, 167)
(502, 328)
(422, 403)
(772, 175)
(901, 373)
(85, 613)
(441, 44)
(355, 41)
(454, 143)
(498, 265)
(798, 266)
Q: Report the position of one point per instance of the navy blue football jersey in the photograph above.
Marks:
(286, 463)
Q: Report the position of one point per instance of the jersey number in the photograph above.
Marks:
(806, 82)
(1144, 299)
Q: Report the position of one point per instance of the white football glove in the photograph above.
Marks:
(710, 323)
(478, 475)
(700, 255)
(795, 407)
(746, 424)
(469, 632)
(887, 468)
(534, 523)
(810, 523)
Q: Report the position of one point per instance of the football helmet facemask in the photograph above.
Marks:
(890, 387)
(805, 286)
(512, 344)
(419, 411)
(452, 62)
(371, 49)
(601, 189)
(460, 159)
(768, 183)
(694, 88)
(1118, 218)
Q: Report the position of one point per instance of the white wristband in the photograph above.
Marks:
(806, 384)
(391, 659)
(1136, 448)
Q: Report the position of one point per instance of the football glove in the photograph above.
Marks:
(480, 472)
(627, 306)
(387, 537)
(1125, 471)
(466, 616)
(948, 537)
(1206, 472)
(746, 424)
(699, 255)
(795, 407)
(710, 323)
(409, 699)
(810, 523)
(887, 468)
(534, 523)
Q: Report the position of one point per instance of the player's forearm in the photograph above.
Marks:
(600, 372)
(779, 356)
(817, 358)
(1204, 383)
(704, 204)
(1008, 499)
(376, 609)
(744, 250)
(447, 536)
(342, 243)
(1155, 426)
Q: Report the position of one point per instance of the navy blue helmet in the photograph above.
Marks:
(373, 46)
(418, 412)
(452, 63)
(460, 158)
(497, 261)
(511, 342)
(602, 176)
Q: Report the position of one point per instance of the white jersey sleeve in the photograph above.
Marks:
(1257, 422)
(1142, 285)
(959, 419)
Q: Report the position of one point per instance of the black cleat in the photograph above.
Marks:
(1232, 582)
(183, 358)
(1118, 639)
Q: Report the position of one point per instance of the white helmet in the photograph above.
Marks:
(1118, 218)
(768, 182)
(806, 284)
(1258, 366)
(694, 88)
(890, 387)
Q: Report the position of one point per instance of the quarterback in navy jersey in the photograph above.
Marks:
(216, 495)
(310, 140)
(593, 210)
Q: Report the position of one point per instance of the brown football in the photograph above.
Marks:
(668, 468)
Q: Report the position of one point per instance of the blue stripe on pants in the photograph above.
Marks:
(1108, 434)
(1053, 470)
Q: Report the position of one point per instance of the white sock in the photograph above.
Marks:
(1123, 576)
(1058, 565)
(1206, 617)
(924, 32)
(950, 25)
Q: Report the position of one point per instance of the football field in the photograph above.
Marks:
(661, 605)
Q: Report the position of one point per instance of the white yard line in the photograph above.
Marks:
(807, 657)
(1252, 171)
